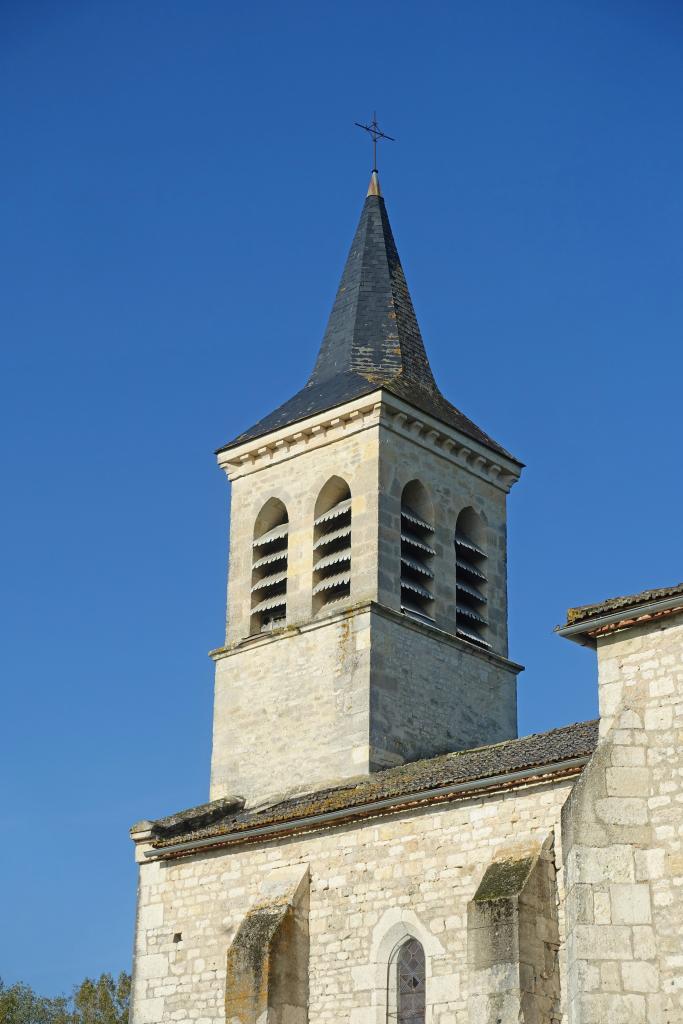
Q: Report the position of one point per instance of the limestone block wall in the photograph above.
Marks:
(432, 693)
(371, 884)
(623, 833)
(514, 942)
(451, 488)
(297, 480)
(377, 450)
(292, 711)
(267, 961)
(348, 694)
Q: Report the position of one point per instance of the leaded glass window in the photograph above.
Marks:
(410, 983)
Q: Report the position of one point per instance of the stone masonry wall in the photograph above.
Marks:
(297, 482)
(450, 488)
(377, 458)
(420, 694)
(432, 693)
(292, 711)
(370, 883)
(366, 689)
(514, 942)
(623, 838)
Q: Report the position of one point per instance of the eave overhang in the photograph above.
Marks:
(379, 407)
(557, 771)
(588, 631)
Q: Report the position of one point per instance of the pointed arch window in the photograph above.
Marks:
(417, 531)
(471, 581)
(269, 567)
(332, 544)
(408, 984)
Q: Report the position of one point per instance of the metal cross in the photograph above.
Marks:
(373, 129)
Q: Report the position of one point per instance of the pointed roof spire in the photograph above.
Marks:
(372, 338)
(373, 187)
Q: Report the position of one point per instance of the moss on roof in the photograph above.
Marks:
(461, 767)
(615, 604)
(503, 879)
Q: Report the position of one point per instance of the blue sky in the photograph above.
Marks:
(179, 187)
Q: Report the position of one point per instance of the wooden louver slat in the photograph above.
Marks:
(269, 577)
(470, 583)
(332, 541)
(416, 553)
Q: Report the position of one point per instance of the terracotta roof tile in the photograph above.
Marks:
(615, 604)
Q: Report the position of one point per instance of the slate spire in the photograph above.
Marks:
(372, 330)
(372, 339)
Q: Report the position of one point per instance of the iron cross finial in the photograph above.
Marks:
(373, 130)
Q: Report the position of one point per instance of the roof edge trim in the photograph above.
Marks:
(386, 805)
(625, 618)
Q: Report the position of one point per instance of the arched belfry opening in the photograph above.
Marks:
(332, 544)
(470, 578)
(417, 553)
(269, 567)
(407, 990)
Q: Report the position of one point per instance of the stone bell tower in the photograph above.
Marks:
(367, 609)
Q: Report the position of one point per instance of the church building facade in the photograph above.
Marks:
(379, 845)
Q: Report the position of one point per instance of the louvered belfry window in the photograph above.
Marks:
(269, 568)
(470, 567)
(411, 983)
(417, 530)
(332, 544)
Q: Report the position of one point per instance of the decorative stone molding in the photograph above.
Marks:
(396, 926)
(363, 607)
(379, 408)
(310, 434)
(458, 448)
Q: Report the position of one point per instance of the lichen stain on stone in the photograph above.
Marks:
(248, 963)
(344, 641)
(503, 880)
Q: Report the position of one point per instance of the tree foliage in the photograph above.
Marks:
(101, 1000)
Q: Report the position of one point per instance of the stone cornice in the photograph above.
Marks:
(306, 435)
(543, 775)
(464, 451)
(434, 632)
(378, 408)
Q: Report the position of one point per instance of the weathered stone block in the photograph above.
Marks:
(640, 977)
(267, 962)
(602, 942)
(630, 904)
(622, 811)
(628, 782)
(650, 864)
(512, 942)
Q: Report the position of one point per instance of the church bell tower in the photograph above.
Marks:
(367, 607)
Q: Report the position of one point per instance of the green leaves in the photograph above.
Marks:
(103, 1001)
(95, 1001)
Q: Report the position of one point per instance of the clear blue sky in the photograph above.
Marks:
(179, 186)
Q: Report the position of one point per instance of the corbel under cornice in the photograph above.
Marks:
(379, 408)
(458, 448)
(290, 441)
